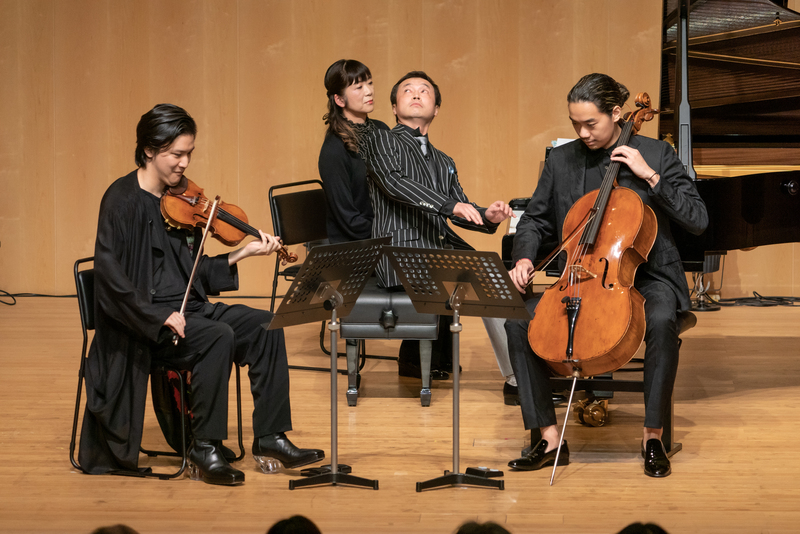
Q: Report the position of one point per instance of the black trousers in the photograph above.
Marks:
(217, 336)
(660, 360)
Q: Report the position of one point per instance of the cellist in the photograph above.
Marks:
(142, 270)
(652, 170)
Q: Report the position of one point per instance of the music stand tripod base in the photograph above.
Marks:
(457, 282)
(330, 281)
(460, 479)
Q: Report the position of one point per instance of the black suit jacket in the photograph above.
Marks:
(674, 198)
(410, 204)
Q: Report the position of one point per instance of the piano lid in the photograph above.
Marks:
(744, 80)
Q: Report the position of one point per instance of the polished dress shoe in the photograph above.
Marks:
(510, 395)
(274, 449)
(410, 370)
(207, 463)
(538, 458)
(656, 462)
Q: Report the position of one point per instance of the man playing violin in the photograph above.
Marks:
(652, 170)
(142, 270)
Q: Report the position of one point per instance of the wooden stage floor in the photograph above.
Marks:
(735, 415)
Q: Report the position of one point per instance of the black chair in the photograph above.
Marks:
(298, 217)
(603, 387)
(84, 284)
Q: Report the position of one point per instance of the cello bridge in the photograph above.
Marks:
(580, 270)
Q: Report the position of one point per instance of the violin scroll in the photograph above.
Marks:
(286, 256)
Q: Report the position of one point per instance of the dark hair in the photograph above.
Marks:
(639, 528)
(159, 127)
(115, 529)
(490, 527)
(339, 77)
(297, 524)
(416, 74)
(601, 90)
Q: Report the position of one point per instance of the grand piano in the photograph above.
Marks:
(739, 64)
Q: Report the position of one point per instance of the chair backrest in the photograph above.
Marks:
(299, 216)
(84, 284)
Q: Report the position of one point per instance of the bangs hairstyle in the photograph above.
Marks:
(339, 77)
(601, 90)
(345, 73)
(158, 129)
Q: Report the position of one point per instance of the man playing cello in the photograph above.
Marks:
(652, 170)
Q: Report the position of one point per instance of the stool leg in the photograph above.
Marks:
(425, 349)
(352, 372)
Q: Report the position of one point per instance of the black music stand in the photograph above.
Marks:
(329, 282)
(458, 282)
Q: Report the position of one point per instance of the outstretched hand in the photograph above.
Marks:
(468, 212)
(498, 212)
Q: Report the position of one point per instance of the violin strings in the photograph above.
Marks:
(232, 220)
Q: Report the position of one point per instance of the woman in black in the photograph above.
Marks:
(343, 173)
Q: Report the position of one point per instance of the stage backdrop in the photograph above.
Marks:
(76, 75)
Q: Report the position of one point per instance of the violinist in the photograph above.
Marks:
(142, 269)
(652, 170)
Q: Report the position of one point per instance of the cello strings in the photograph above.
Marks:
(589, 218)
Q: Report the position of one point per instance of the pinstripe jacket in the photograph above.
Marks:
(409, 205)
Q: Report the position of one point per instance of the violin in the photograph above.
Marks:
(591, 321)
(185, 206)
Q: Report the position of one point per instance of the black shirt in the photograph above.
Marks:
(597, 162)
(170, 276)
(344, 179)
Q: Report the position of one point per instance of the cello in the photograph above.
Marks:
(591, 321)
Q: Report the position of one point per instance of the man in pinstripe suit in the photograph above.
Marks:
(414, 190)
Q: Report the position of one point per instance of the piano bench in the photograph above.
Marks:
(602, 387)
(382, 314)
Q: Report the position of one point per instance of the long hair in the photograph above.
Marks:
(339, 77)
(159, 127)
(601, 90)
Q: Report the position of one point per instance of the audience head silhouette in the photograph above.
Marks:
(297, 524)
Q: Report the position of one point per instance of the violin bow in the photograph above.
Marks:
(206, 231)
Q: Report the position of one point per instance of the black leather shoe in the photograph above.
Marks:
(656, 462)
(510, 395)
(407, 369)
(207, 463)
(537, 458)
(273, 448)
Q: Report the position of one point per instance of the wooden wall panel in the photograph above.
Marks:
(78, 74)
(27, 225)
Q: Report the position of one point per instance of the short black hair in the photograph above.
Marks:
(416, 74)
(159, 127)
